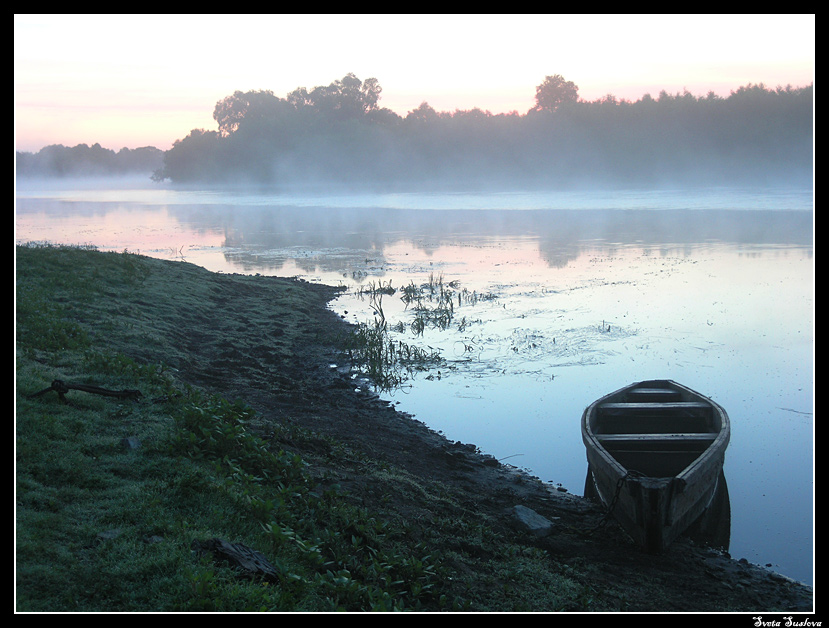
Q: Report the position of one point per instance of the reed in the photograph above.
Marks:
(434, 303)
(389, 363)
(374, 293)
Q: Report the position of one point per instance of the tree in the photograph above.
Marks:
(423, 114)
(344, 99)
(253, 105)
(193, 158)
(554, 92)
(371, 91)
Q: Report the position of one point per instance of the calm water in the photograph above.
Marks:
(584, 293)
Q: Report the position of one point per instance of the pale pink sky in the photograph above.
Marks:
(138, 80)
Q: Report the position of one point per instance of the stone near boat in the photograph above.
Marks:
(534, 523)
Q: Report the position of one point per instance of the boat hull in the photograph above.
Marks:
(655, 453)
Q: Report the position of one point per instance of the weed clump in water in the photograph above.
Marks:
(386, 361)
(389, 362)
(433, 303)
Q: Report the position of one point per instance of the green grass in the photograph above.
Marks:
(104, 527)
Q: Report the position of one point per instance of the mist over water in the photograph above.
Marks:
(580, 293)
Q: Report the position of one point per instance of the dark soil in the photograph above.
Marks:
(272, 343)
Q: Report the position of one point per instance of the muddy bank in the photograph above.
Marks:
(272, 343)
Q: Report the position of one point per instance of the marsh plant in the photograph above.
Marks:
(435, 301)
(388, 361)
(374, 293)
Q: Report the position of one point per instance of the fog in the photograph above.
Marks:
(338, 137)
(342, 137)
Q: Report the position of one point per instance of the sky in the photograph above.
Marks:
(147, 80)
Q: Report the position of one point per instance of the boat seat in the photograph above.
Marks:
(645, 393)
(695, 436)
(657, 442)
(668, 406)
(654, 418)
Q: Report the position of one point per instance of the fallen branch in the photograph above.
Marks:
(242, 557)
(62, 388)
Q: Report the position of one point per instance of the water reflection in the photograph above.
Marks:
(561, 235)
(713, 528)
(333, 239)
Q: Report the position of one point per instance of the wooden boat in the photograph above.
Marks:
(655, 452)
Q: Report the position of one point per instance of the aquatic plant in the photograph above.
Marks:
(386, 361)
(374, 293)
(389, 362)
(434, 303)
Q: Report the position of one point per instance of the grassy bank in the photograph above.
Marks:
(215, 413)
(112, 492)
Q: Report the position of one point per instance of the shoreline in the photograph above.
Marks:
(366, 422)
(270, 342)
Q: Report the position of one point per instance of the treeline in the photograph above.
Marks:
(88, 161)
(339, 134)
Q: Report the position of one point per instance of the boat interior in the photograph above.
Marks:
(654, 429)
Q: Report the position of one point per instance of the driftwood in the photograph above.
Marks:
(62, 388)
(249, 561)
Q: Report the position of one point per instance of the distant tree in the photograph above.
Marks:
(383, 117)
(57, 160)
(339, 133)
(663, 96)
(144, 159)
(371, 91)
(344, 99)
(232, 110)
(192, 158)
(365, 95)
(475, 114)
(423, 114)
(299, 98)
(554, 92)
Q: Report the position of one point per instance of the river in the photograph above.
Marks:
(558, 299)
